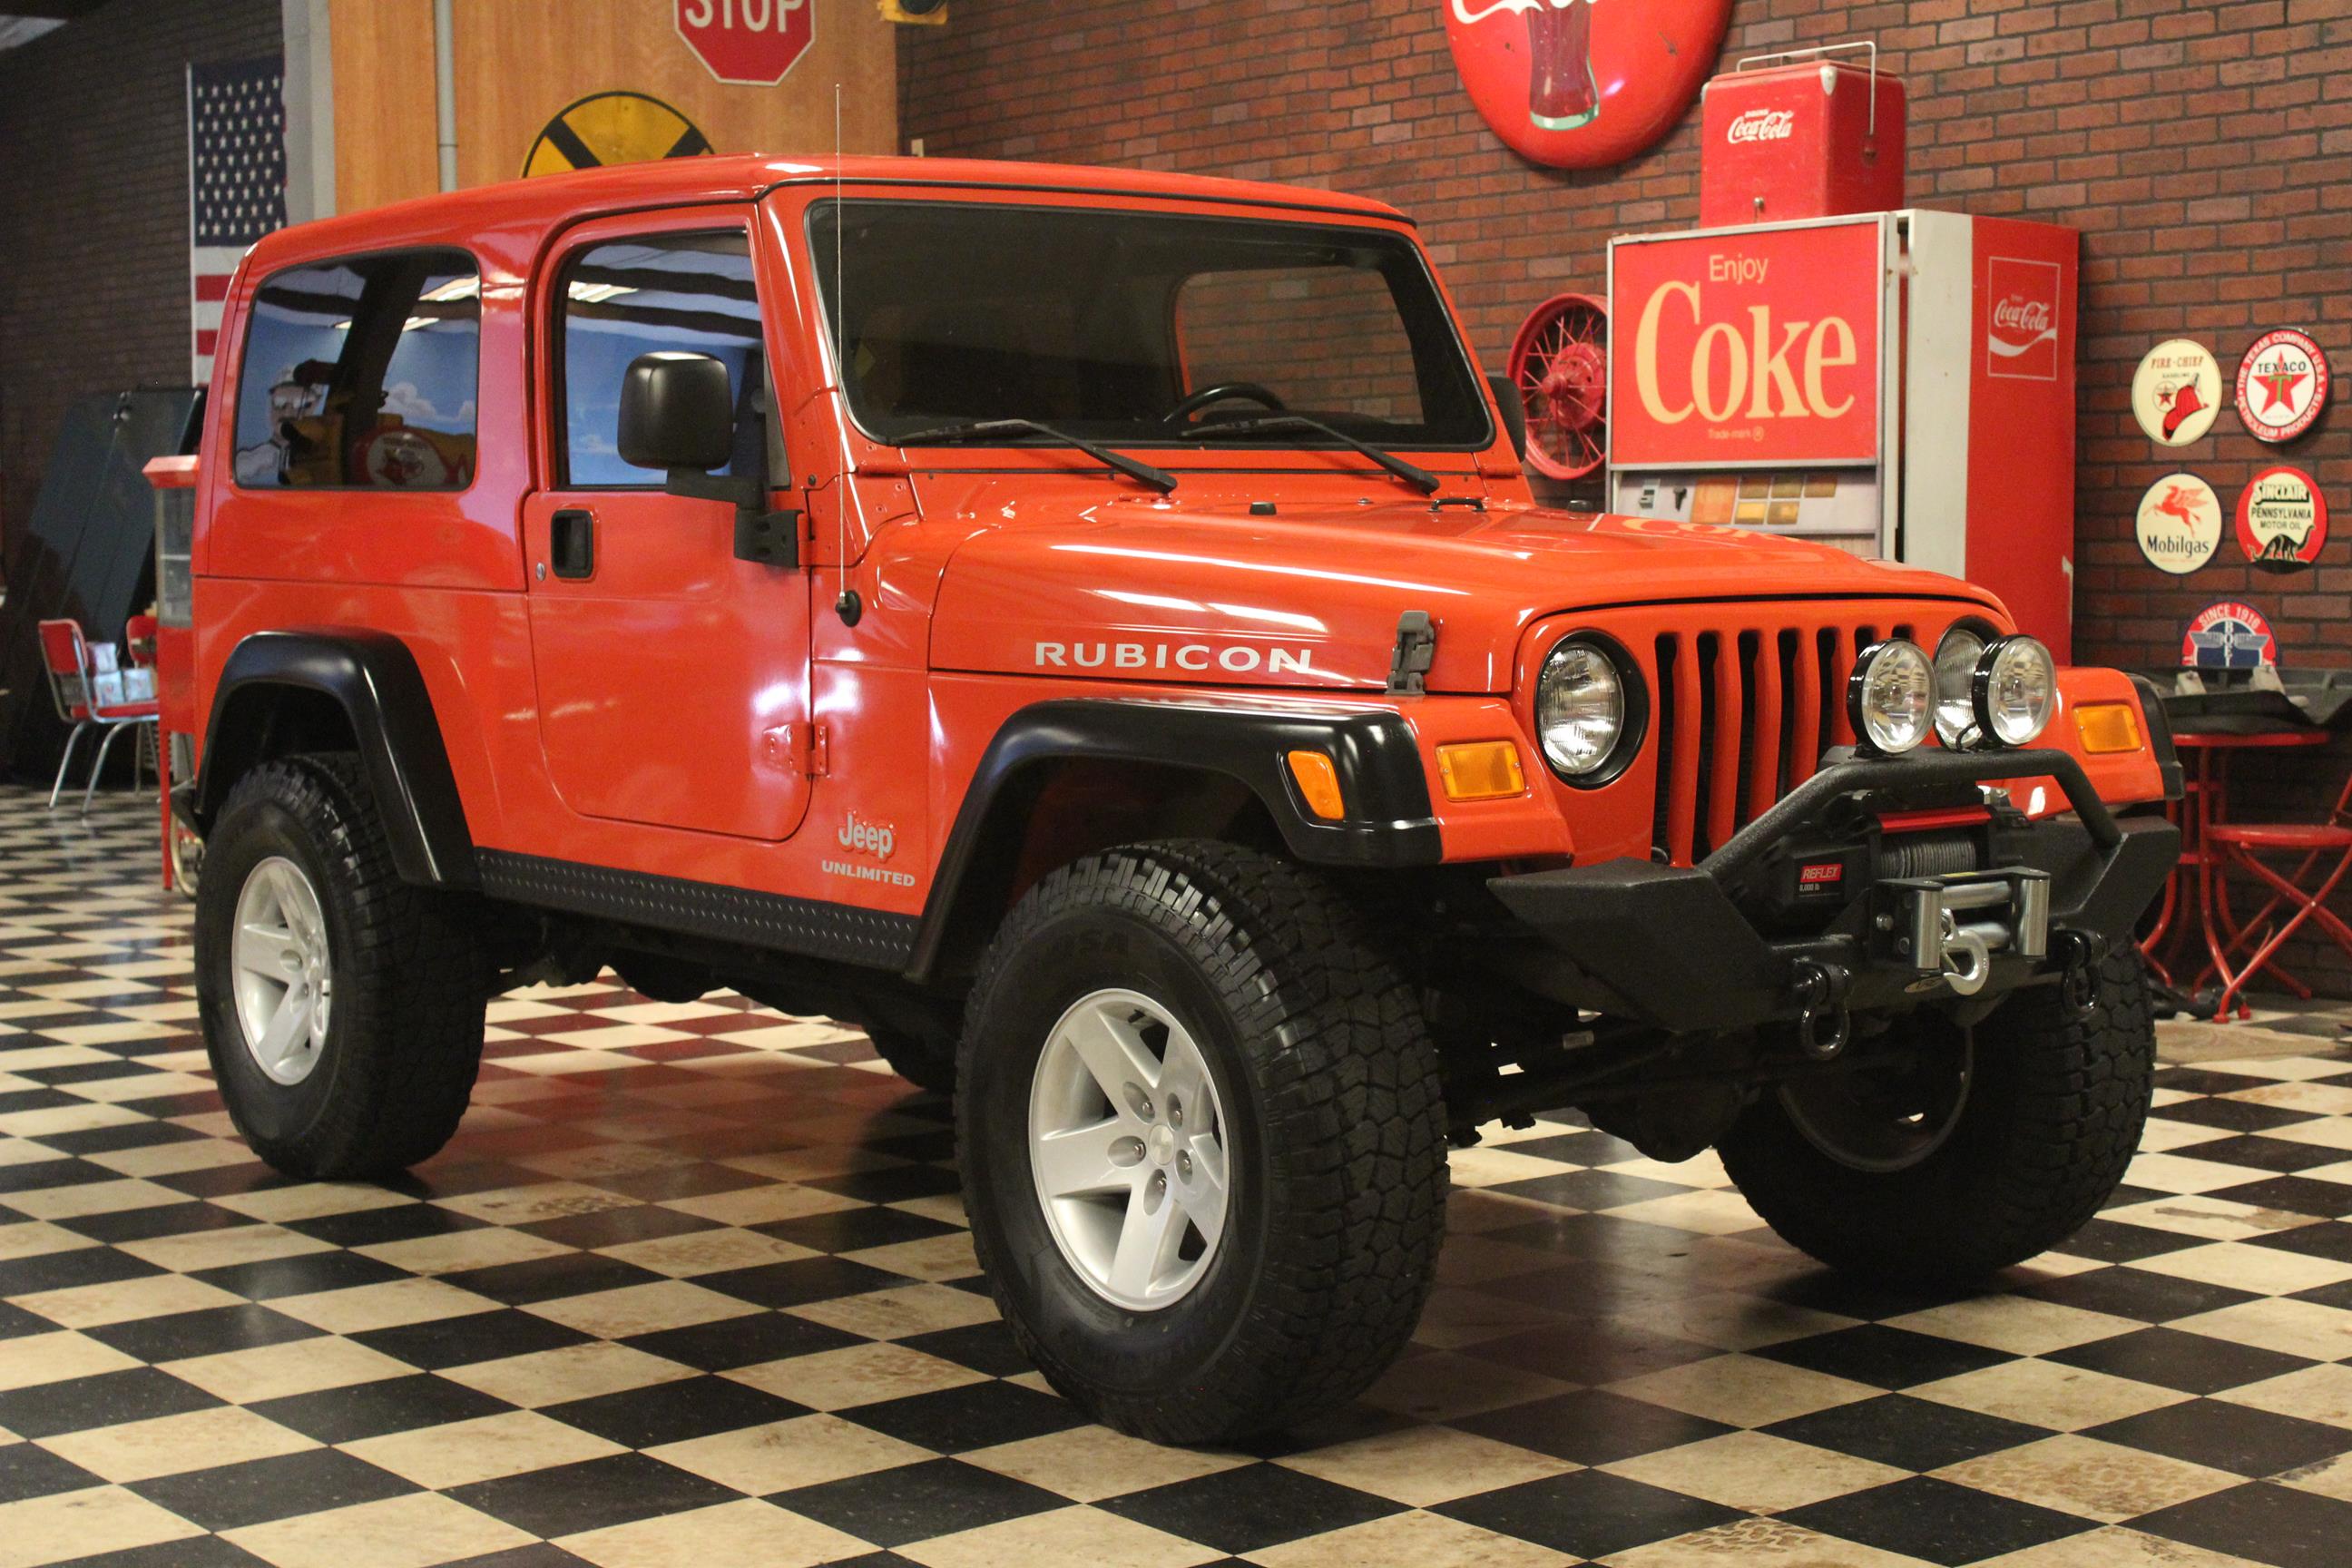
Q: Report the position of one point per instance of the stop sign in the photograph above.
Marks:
(753, 42)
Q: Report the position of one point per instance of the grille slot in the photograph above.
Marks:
(1743, 715)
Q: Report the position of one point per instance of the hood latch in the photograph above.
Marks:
(1416, 649)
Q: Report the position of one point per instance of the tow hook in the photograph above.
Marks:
(2078, 955)
(1819, 989)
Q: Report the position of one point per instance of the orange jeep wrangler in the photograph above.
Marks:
(1091, 630)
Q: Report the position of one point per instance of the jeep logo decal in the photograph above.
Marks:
(876, 838)
(1238, 659)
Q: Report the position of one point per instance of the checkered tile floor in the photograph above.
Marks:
(693, 1287)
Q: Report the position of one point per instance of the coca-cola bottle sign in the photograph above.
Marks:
(1583, 84)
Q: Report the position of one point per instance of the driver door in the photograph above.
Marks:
(673, 678)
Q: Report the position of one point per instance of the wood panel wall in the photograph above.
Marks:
(520, 62)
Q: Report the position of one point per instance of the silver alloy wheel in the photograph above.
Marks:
(281, 969)
(1127, 1144)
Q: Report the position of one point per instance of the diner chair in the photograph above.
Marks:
(2243, 845)
(73, 686)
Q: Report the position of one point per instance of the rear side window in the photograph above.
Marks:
(685, 292)
(361, 374)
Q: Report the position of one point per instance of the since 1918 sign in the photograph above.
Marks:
(1736, 349)
(750, 42)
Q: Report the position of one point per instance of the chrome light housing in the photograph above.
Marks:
(1955, 684)
(2015, 692)
(1890, 699)
(1588, 705)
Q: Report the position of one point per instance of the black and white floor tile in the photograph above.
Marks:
(693, 1287)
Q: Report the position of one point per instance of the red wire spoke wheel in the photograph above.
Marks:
(1559, 363)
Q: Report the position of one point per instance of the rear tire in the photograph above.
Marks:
(1309, 1087)
(2049, 1117)
(392, 998)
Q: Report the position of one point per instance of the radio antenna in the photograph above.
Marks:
(846, 604)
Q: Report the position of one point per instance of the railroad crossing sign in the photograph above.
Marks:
(750, 42)
(608, 128)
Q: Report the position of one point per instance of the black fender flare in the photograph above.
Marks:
(1390, 822)
(374, 679)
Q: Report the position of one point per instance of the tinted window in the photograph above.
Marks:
(674, 292)
(361, 373)
(1103, 321)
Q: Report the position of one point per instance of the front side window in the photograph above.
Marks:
(361, 374)
(1106, 322)
(681, 292)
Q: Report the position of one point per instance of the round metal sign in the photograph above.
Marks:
(612, 128)
(2175, 392)
(2179, 523)
(1583, 84)
(2281, 384)
(2229, 635)
(2282, 520)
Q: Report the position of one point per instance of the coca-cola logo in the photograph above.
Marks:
(2022, 320)
(1762, 125)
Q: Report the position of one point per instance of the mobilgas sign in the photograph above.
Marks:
(1748, 346)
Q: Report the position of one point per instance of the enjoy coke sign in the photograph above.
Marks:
(2021, 319)
(1762, 125)
(1736, 349)
(750, 42)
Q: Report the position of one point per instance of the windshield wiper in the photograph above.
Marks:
(1420, 479)
(1160, 479)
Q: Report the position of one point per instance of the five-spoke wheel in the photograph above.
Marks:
(284, 972)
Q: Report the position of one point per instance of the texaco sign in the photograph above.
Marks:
(2281, 384)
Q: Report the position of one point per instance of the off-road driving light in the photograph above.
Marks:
(1580, 709)
(1891, 698)
(1956, 678)
(2016, 689)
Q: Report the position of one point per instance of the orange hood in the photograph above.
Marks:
(1138, 589)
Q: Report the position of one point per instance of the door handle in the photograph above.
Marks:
(572, 543)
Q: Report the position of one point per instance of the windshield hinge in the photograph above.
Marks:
(1416, 649)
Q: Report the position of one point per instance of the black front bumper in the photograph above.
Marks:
(1688, 949)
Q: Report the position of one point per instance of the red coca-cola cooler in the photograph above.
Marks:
(1800, 138)
(1896, 381)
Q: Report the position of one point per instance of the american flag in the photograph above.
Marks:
(237, 180)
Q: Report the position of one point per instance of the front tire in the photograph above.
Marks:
(1268, 1073)
(343, 1009)
(1966, 1179)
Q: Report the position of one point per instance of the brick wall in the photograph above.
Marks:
(94, 210)
(2202, 149)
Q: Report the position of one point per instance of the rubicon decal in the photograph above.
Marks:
(1238, 659)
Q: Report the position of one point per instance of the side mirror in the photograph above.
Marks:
(677, 412)
(1507, 399)
(677, 415)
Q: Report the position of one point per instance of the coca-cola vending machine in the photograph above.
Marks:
(1897, 381)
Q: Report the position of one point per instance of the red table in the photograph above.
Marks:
(2205, 803)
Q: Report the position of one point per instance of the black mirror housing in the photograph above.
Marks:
(1513, 411)
(677, 412)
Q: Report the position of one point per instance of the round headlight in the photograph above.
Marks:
(2016, 691)
(1890, 699)
(1955, 683)
(1579, 708)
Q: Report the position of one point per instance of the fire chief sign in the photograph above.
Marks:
(1583, 84)
(751, 42)
(1744, 348)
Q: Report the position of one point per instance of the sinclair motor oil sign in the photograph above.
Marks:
(1747, 346)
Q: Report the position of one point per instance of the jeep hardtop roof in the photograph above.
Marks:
(515, 215)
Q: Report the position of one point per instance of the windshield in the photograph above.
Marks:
(1105, 323)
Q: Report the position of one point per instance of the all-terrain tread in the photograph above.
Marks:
(1355, 1117)
(2054, 1119)
(410, 983)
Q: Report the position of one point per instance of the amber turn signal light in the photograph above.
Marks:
(1480, 770)
(2107, 727)
(1318, 784)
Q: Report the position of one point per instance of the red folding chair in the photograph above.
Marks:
(2243, 844)
(73, 681)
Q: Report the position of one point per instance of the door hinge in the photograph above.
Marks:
(799, 747)
(1416, 649)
